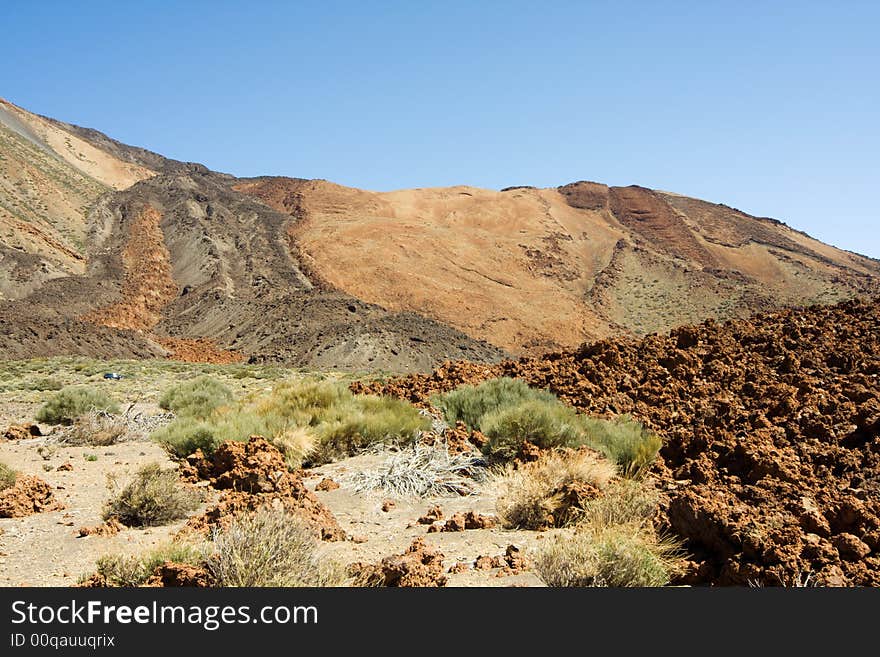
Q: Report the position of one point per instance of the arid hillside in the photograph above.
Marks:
(49, 178)
(532, 270)
(177, 263)
(111, 250)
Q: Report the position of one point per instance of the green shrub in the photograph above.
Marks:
(154, 497)
(364, 421)
(270, 548)
(69, 403)
(185, 435)
(469, 403)
(196, 398)
(615, 556)
(536, 495)
(624, 441)
(45, 384)
(135, 570)
(545, 423)
(305, 403)
(315, 419)
(7, 476)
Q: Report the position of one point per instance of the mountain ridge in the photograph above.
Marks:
(120, 250)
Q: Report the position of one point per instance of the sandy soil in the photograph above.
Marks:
(392, 531)
(45, 549)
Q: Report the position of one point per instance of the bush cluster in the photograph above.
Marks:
(69, 403)
(197, 398)
(314, 420)
(509, 413)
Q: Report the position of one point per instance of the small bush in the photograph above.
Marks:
(306, 402)
(197, 398)
(97, 428)
(134, 570)
(69, 403)
(270, 548)
(45, 384)
(616, 556)
(542, 423)
(7, 476)
(469, 403)
(154, 497)
(364, 421)
(624, 441)
(532, 497)
(185, 435)
(295, 444)
(624, 502)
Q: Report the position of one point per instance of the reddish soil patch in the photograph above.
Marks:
(109, 528)
(419, 566)
(255, 474)
(26, 496)
(179, 574)
(512, 562)
(457, 440)
(326, 484)
(459, 522)
(199, 350)
(656, 224)
(434, 514)
(771, 427)
(21, 432)
(148, 284)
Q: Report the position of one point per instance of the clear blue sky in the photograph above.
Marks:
(771, 107)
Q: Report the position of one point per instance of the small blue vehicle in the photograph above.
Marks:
(113, 376)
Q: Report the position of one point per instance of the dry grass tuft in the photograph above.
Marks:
(422, 471)
(534, 495)
(154, 497)
(624, 502)
(614, 556)
(135, 570)
(270, 548)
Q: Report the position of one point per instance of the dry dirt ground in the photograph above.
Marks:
(45, 549)
(361, 515)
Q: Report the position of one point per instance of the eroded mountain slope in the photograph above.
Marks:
(49, 179)
(109, 247)
(533, 270)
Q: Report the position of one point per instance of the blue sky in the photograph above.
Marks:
(771, 107)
